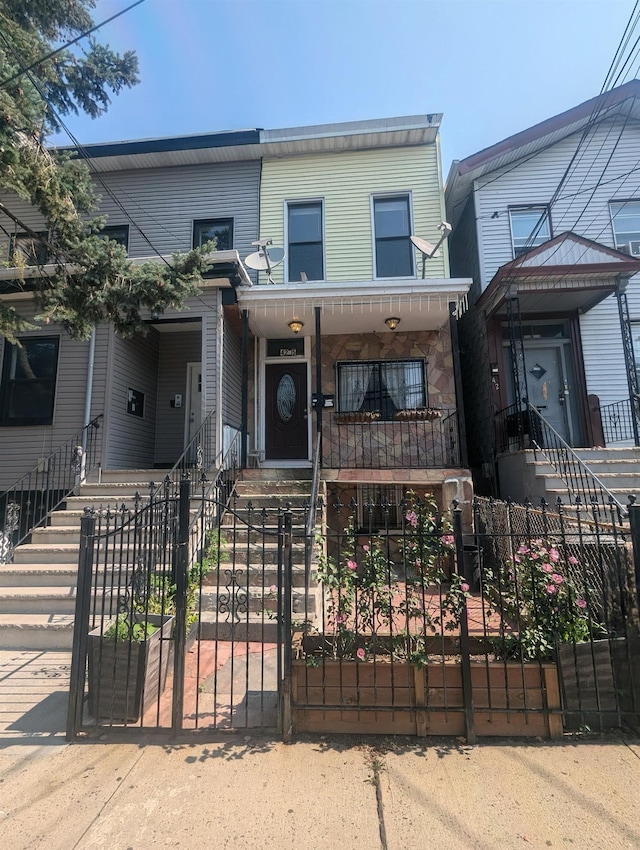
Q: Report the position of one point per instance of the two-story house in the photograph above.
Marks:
(547, 224)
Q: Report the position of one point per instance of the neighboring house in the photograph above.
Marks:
(153, 390)
(547, 222)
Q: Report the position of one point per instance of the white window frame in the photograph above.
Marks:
(301, 202)
(375, 196)
(529, 208)
(623, 201)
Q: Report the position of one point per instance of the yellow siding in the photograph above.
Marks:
(346, 182)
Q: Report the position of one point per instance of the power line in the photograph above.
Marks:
(67, 45)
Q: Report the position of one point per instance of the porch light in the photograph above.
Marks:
(392, 322)
(296, 325)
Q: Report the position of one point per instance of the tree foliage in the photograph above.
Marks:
(93, 280)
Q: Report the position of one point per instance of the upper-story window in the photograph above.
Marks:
(27, 250)
(305, 249)
(530, 227)
(625, 216)
(392, 229)
(220, 229)
(117, 233)
(27, 388)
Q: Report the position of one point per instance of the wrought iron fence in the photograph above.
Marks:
(418, 439)
(29, 502)
(617, 421)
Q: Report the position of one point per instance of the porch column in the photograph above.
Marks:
(629, 358)
(457, 380)
(245, 389)
(319, 395)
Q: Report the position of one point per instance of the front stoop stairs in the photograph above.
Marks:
(37, 590)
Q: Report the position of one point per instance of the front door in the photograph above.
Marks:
(549, 386)
(286, 430)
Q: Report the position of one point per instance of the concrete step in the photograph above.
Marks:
(273, 488)
(55, 535)
(33, 553)
(298, 473)
(37, 575)
(117, 490)
(257, 599)
(124, 476)
(608, 454)
(53, 600)
(36, 631)
(259, 575)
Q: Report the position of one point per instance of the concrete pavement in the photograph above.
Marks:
(247, 791)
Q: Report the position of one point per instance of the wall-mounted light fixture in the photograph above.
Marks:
(296, 325)
(392, 322)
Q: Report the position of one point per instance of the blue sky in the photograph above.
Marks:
(493, 67)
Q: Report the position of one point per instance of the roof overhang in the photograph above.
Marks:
(225, 270)
(564, 274)
(351, 307)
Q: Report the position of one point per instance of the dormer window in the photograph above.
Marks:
(530, 227)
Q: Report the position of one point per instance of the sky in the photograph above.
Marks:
(492, 67)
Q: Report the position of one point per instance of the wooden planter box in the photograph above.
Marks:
(125, 678)
(406, 699)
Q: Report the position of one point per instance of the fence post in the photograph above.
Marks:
(180, 565)
(81, 624)
(286, 636)
(634, 523)
(465, 660)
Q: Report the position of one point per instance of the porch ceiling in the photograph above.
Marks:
(351, 307)
(550, 295)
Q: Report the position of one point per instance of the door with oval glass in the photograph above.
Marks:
(286, 425)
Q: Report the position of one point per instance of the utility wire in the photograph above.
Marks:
(53, 53)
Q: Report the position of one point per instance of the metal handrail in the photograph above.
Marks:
(579, 478)
(315, 480)
(30, 501)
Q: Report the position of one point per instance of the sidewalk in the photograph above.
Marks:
(251, 792)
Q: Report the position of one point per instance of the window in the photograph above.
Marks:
(392, 227)
(379, 506)
(28, 383)
(25, 250)
(305, 248)
(385, 386)
(625, 216)
(117, 233)
(530, 227)
(220, 229)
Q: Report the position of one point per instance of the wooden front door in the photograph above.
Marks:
(286, 431)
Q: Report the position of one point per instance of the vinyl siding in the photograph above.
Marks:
(594, 181)
(346, 182)
(132, 438)
(21, 447)
(176, 350)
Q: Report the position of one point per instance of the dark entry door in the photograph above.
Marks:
(548, 390)
(286, 436)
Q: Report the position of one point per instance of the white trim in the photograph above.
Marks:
(298, 202)
(187, 399)
(511, 208)
(374, 196)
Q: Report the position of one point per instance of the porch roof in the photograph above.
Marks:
(225, 269)
(351, 307)
(564, 274)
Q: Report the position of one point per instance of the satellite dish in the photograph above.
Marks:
(265, 258)
(425, 247)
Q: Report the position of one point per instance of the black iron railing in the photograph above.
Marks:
(581, 481)
(28, 503)
(617, 421)
(415, 440)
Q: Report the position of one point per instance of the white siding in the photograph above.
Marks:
(594, 181)
(176, 350)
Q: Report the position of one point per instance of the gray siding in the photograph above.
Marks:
(21, 447)
(176, 350)
(231, 377)
(131, 439)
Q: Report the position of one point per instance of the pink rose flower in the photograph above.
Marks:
(464, 587)
(572, 560)
(516, 559)
(554, 555)
(547, 568)
(581, 603)
(273, 588)
(365, 548)
(447, 539)
(411, 518)
(535, 556)
(522, 550)
(352, 565)
(557, 578)
(551, 589)
(341, 618)
(360, 654)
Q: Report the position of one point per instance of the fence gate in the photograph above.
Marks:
(179, 614)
